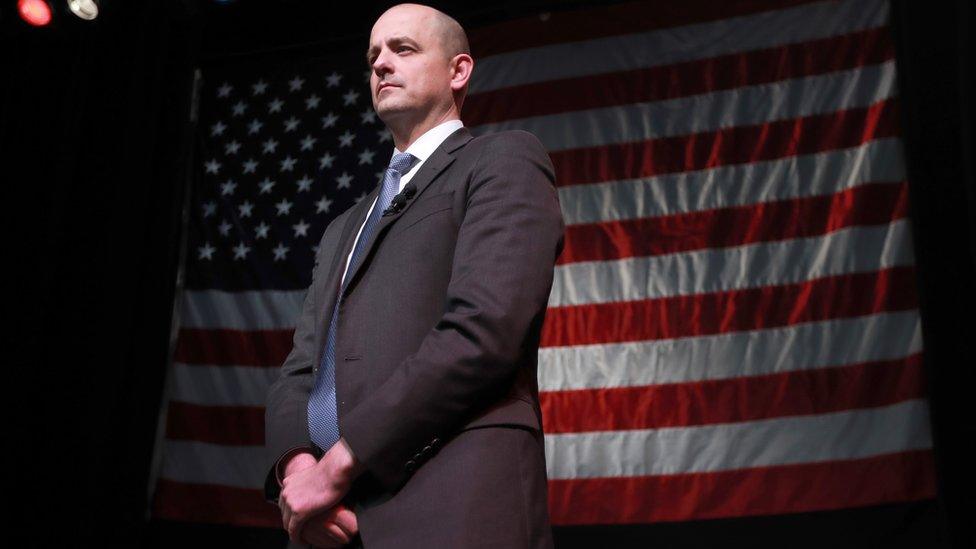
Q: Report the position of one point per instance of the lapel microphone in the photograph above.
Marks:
(400, 201)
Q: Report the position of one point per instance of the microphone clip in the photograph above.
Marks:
(399, 201)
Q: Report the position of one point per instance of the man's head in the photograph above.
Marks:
(420, 63)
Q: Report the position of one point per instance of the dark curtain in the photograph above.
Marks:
(936, 69)
(95, 123)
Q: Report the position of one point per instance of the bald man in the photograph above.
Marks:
(407, 413)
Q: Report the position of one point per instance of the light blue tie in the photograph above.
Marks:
(323, 418)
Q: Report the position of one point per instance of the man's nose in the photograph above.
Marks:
(382, 65)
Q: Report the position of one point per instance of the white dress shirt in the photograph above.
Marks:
(422, 148)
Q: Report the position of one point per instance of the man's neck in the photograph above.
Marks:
(406, 136)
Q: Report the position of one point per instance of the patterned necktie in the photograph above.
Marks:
(323, 418)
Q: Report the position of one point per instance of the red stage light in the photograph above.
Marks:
(35, 12)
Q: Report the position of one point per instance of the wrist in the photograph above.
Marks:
(341, 464)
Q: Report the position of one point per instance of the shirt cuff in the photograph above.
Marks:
(283, 461)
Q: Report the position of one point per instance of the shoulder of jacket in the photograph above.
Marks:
(506, 140)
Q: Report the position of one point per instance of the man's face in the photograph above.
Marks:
(410, 74)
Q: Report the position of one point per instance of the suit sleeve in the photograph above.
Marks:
(501, 275)
(285, 414)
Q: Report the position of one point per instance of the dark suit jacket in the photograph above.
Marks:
(436, 350)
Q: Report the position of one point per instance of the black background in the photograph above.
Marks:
(95, 140)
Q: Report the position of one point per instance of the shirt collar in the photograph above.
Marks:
(426, 144)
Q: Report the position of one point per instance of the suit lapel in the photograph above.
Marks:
(439, 160)
(331, 288)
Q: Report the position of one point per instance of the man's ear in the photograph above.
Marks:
(461, 67)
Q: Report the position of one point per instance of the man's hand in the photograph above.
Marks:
(334, 528)
(309, 492)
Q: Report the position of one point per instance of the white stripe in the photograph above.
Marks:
(221, 385)
(851, 250)
(855, 249)
(204, 463)
(684, 360)
(785, 99)
(676, 44)
(252, 310)
(802, 439)
(844, 435)
(886, 336)
(737, 185)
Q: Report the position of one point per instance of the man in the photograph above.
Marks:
(407, 414)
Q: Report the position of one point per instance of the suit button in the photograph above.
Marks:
(410, 466)
(427, 449)
(436, 442)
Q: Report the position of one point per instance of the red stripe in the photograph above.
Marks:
(569, 26)
(760, 491)
(867, 204)
(735, 145)
(213, 503)
(818, 391)
(217, 347)
(228, 425)
(785, 489)
(732, 311)
(681, 79)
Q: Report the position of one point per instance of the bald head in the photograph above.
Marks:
(449, 33)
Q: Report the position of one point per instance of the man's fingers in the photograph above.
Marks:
(346, 519)
(320, 531)
(285, 513)
(318, 537)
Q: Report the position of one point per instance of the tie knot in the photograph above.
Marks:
(401, 162)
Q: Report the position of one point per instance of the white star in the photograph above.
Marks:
(250, 165)
(367, 74)
(322, 206)
(227, 187)
(266, 184)
(261, 230)
(344, 180)
(326, 161)
(238, 108)
(288, 163)
(206, 251)
(333, 79)
(361, 197)
(350, 97)
(366, 157)
(304, 184)
(275, 105)
(224, 90)
(240, 251)
(291, 124)
(269, 146)
(217, 129)
(295, 84)
(213, 166)
(368, 116)
(244, 210)
(254, 127)
(224, 227)
(308, 142)
(209, 208)
(384, 135)
(259, 88)
(312, 102)
(301, 228)
(345, 140)
(329, 120)
(280, 250)
(283, 207)
(232, 147)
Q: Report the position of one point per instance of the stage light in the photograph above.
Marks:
(86, 9)
(35, 12)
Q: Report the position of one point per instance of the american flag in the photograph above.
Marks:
(733, 326)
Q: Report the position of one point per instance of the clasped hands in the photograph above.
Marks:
(311, 494)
